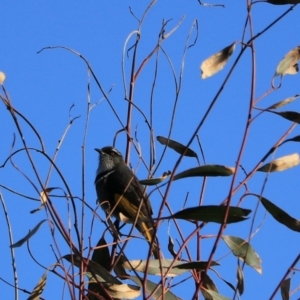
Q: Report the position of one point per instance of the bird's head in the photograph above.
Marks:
(109, 158)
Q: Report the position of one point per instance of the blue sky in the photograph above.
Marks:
(44, 86)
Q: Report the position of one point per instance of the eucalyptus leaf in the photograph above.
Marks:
(151, 286)
(178, 147)
(206, 170)
(216, 62)
(280, 215)
(39, 288)
(244, 251)
(212, 213)
(28, 236)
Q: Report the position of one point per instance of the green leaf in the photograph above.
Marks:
(285, 289)
(154, 181)
(289, 115)
(281, 164)
(154, 267)
(28, 236)
(206, 170)
(196, 265)
(283, 2)
(93, 268)
(179, 148)
(240, 280)
(208, 284)
(244, 251)
(151, 286)
(101, 255)
(216, 62)
(280, 215)
(212, 213)
(217, 296)
(39, 288)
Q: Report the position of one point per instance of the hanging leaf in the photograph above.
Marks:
(216, 296)
(179, 148)
(289, 64)
(207, 284)
(2, 77)
(207, 170)
(284, 102)
(102, 257)
(285, 289)
(212, 213)
(39, 288)
(116, 291)
(151, 286)
(216, 62)
(280, 215)
(289, 115)
(28, 236)
(93, 268)
(196, 265)
(283, 2)
(281, 164)
(244, 251)
(171, 247)
(154, 267)
(240, 280)
(154, 181)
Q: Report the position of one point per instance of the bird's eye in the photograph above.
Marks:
(112, 153)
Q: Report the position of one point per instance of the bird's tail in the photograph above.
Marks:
(147, 231)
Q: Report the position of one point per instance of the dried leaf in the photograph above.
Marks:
(281, 164)
(28, 236)
(216, 62)
(284, 102)
(178, 147)
(289, 64)
(2, 77)
(206, 170)
(212, 213)
(280, 215)
(244, 251)
(39, 288)
(45, 193)
(285, 289)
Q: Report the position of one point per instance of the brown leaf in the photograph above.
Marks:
(216, 62)
(284, 102)
(281, 164)
(289, 64)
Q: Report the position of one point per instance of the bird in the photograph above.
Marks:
(119, 192)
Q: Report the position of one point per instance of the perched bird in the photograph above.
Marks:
(119, 191)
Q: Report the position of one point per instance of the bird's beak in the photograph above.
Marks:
(98, 150)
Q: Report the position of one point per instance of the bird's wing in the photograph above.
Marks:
(130, 188)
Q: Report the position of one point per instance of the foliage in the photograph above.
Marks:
(108, 268)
